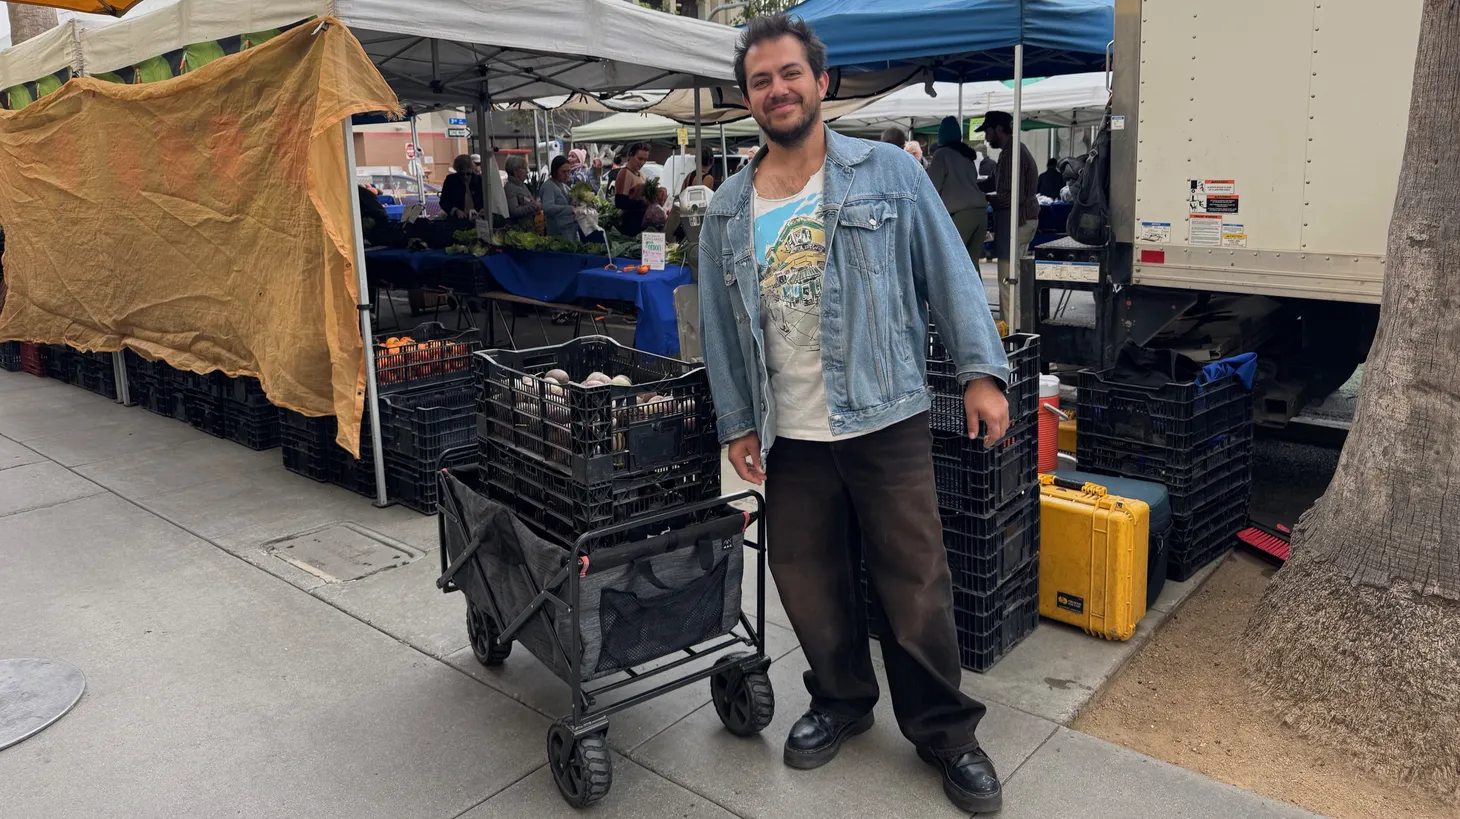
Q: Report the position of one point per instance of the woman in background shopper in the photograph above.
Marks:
(628, 189)
(522, 206)
(705, 174)
(461, 191)
(954, 171)
(557, 204)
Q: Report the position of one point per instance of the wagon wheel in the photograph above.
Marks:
(581, 766)
(744, 700)
(482, 630)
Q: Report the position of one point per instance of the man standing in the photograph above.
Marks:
(1051, 182)
(998, 129)
(818, 268)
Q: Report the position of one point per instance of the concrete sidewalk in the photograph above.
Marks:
(224, 680)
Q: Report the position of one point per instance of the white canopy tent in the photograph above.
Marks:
(436, 54)
(1073, 100)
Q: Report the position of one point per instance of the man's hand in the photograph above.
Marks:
(745, 457)
(982, 401)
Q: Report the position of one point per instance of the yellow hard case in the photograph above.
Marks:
(1092, 557)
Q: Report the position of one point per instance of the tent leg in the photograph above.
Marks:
(724, 155)
(699, 142)
(119, 369)
(372, 390)
(960, 104)
(1010, 311)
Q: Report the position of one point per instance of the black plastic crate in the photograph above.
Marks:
(423, 424)
(93, 378)
(204, 413)
(1177, 416)
(565, 509)
(256, 427)
(972, 479)
(10, 356)
(465, 276)
(413, 484)
(948, 414)
(600, 433)
(1197, 540)
(59, 360)
(989, 625)
(1181, 471)
(139, 367)
(245, 391)
(427, 354)
(984, 552)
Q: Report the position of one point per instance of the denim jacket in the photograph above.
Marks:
(892, 253)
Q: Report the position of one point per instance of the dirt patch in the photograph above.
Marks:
(1183, 700)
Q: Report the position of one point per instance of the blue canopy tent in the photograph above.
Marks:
(894, 42)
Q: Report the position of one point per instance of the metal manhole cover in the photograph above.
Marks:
(34, 694)
(341, 552)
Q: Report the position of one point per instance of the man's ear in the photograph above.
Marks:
(823, 83)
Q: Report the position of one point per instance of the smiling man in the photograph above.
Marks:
(820, 263)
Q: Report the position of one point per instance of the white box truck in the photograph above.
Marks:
(1255, 149)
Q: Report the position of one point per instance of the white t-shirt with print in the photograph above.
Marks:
(790, 253)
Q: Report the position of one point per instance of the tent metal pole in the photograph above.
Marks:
(419, 161)
(484, 143)
(960, 103)
(536, 143)
(724, 155)
(699, 141)
(372, 389)
(1011, 311)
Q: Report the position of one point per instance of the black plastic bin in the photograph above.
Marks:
(674, 594)
(973, 479)
(434, 355)
(948, 414)
(10, 356)
(600, 433)
(1176, 415)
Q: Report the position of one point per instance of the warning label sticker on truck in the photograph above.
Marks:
(1212, 196)
(1205, 229)
(1155, 232)
(1234, 234)
(1066, 271)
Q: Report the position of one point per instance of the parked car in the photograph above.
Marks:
(401, 188)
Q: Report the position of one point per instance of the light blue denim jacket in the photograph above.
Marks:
(892, 252)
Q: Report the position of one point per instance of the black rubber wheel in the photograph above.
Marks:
(747, 705)
(582, 767)
(482, 630)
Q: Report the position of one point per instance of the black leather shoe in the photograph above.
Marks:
(818, 735)
(968, 780)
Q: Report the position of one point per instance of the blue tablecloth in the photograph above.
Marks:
(563, 277)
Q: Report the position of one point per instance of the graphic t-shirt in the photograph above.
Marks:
(790, 251)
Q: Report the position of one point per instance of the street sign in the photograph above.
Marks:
(456, 120)
(458, 133)
(410, 151)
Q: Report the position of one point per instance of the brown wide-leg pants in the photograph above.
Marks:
(886, 478)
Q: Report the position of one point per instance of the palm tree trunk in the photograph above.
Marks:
(1357, 640)
(28, 21)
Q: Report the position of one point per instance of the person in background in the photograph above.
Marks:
(814, 345)
(477, 160)
(372, 213)
(998, 129)
(894, 135)
(595, 176)
(915, 149)
(578, 167)
(615, 168)
(628, 189)
(704, 174)
(1051, 182)
(954, 171)
(461, 192)
(987, 167)
(522, 206)
(557, 204)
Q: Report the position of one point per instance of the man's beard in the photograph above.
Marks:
(792, 135)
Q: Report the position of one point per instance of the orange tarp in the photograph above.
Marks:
(115, 8)
(203, 220)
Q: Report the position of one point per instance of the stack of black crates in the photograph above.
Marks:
(1196, 439)
(988, 499)
(569, 459)
(426, 412)
(92, 372)
(10, 356)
